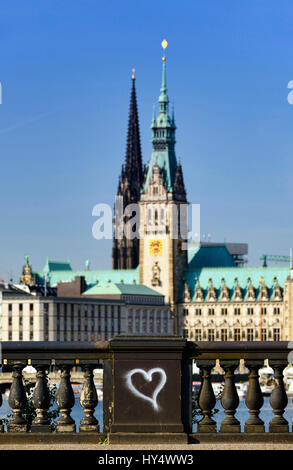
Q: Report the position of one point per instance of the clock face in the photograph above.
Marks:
(156, 247)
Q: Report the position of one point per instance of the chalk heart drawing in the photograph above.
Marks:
(148, 377)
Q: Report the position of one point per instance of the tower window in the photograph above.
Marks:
(276, 334)
(224, 335)
(237, 334)
(211, 335)
(197, 335)
(249, 334)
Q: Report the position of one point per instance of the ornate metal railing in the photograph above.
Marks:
(131, 364)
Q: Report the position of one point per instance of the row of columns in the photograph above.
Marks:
(99, 320)
(160, 319)
(41, 399)
(89, 399)
(230, 400)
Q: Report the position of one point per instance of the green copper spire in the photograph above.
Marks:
(163, 99)
(163, 138)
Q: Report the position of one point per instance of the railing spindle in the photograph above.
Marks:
(89, 401)
(41, 399)
(207, 398)
(17, 399)
(278, 399)
(65, 401)
(254, 399)
(229, 398)
(1, 423)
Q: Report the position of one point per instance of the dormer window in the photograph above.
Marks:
(155, 190)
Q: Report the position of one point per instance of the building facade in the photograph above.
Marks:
(252, 306)
(90, 317)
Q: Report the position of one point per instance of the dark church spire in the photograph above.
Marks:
(125, 252)
(133, 159)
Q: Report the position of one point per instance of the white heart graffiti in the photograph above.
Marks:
(148, 376)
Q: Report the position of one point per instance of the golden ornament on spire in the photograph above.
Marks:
(164, 44)
(133, 74)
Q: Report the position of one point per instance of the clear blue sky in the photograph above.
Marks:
(66, 73)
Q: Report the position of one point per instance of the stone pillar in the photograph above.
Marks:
(75, 322)
(1, 424)
(151, 390)
(254, 398)
(26, 321)
(148, 322)
(103, 313)
(89, 400)
(230, 399)
(17, 399)
(41, 398)
(278, 399)
(51, 329)
(207, 399)
(65, 399)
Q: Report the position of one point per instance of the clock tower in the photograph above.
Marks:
(163, 207)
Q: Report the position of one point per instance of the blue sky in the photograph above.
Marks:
(66, 76)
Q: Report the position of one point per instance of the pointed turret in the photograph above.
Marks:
(133, 159)
(179, 187)
(125, 252)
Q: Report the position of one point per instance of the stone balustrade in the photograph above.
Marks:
(254, 354)
(147, 388)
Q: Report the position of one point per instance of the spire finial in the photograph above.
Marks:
(133, 74)
(164, 44)
(163, 99)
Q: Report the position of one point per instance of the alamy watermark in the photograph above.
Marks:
(127, 221)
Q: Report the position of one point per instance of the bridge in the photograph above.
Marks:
(143, 379)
